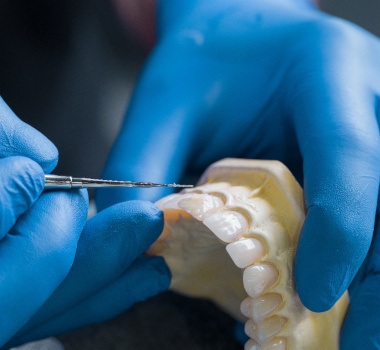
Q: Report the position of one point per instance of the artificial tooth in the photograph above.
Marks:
(265, 330)
(251, 345)
(246, 307)
(228, 226)
(269, 207)
(258, 278)
(199, 204)
(249, 328)
(245, 252)
(259, 308)
(173, 200)
(162, 203)
(275, 344)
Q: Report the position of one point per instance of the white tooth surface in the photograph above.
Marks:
(259, 308)
(246, 307)
(199, 204)
(228, 226)
(258, 278)
(265, 330)
(275, 344)
(163, 201)
(245, 252)
(249, 328)
(251, 345)
(170, 202)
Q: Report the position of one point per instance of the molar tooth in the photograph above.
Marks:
(267, 329)
(245, 252)
(258, 278)
(228, 226)
(259, 308)
(199, 204)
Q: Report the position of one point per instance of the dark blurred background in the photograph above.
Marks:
(363, 12)
(67, 68)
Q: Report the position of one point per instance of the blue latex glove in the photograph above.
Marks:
(20, 139)
(38, 237)
(362, 325)
(271, 80)
(109, 273)
(46, 272)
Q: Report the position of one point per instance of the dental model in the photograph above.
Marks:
(250, 212)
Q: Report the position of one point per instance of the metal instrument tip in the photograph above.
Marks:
(68, 182)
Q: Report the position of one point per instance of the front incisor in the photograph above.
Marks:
(232, 239)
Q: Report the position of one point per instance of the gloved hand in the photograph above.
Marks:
(38, 237)
(97, 277)
(269, 80)
(108, 275)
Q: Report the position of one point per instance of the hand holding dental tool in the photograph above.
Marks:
(47, 246)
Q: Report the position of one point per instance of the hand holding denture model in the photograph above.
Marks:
(253, 211)
(276, 80)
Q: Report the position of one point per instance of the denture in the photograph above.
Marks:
(232, 239)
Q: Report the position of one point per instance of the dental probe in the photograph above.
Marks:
(59, 182)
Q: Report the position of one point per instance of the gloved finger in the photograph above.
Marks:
(110, 242)
(21, 182)
(361, 329)
(339, 140)
(146, 277)
(20, 139)
(37, 255)
(161, 130)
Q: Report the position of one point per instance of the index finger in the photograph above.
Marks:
(339, 140)
(20, 139)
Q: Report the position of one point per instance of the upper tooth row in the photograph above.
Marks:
(230, 227)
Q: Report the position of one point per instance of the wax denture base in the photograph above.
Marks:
(232, 239)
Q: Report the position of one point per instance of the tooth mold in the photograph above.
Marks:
(232, 239)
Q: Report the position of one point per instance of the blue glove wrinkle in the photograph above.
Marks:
(20, 139)
(37, 255)
(109, 244)
(21, 183)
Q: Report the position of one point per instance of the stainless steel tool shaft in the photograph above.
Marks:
(55, 182)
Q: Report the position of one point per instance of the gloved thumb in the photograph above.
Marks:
(21, 183)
